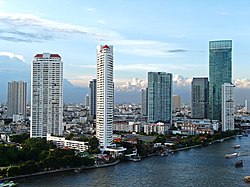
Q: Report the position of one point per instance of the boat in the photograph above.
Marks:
(77, 170)
(136, 159)
(239, 163)
(236, 146)
(247, 179)
(7, 184)
(165, 153)
(231, 155)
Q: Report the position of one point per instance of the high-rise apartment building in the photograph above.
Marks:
(104, 95)
(220, 72)
(227, 107)
(144, 102)
(92, 97)
(176, 100)
(247, 106)
(17, 96)
(199, 98)
(87, 100)
(159, 97)
(46, 95)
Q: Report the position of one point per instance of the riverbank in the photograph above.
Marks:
(200, 145)
(79, 169)
(75, 169)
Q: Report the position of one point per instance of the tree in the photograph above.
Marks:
(93, 143)
(20, 138)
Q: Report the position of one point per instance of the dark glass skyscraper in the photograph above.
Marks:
(92, 97)
(199, 97)
(159, 97)
(220, 71)
(144, 102)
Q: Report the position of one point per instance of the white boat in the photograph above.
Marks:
(232, 155)
(236, 146)
(7, 184)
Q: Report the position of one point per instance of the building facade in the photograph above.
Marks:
(144, 102)
(247, 106)
(17, 98)
(104, 95)
(227, 107)
(220, 71)
(46, 95)
(92, 97)
(199, 98)
(87, 100)
(176, 99)
(159, 97)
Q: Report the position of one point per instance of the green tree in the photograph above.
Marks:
(93, 143)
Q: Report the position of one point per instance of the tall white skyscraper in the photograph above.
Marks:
(104, 95)
(227, 107)
(17, 96)
(46, 95)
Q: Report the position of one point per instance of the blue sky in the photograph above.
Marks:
(162, 35)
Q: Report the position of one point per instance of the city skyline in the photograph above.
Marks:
(169, 39)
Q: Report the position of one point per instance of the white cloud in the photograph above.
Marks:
(181, 81)
(32, 28)
(90, 9)
(101, 21)
(12, 55)
(135, 84)
(81, 81)
(242, 83)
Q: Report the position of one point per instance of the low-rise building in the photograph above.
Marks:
(159, 128)
(62, 143)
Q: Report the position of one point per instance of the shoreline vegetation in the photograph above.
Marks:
(53, 160)
(75, 169)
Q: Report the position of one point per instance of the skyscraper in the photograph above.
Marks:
(227, 107)
(199, 98)
(176, 100)
(144, 102)
(46, 95)
(220, 71)
(159, 97)
(104, 95)
(17, 96)
(87, 100)
(92, 97)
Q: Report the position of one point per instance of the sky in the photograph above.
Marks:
(163, 35)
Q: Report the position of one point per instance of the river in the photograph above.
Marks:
(203, 166)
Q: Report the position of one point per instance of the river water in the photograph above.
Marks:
(203, 166)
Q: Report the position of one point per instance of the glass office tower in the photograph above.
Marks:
(220, 72)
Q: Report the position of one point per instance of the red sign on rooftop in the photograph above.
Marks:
(105, 47)
(51, 56)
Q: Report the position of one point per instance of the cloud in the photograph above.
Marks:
(12, 55)
(39, 29)
(242, 83)
(32, 28)
(101, 21)
(181, 81)
(135, 84)
(81, 80)
(90, 9)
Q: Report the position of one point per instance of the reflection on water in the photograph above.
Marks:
(204, 166)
